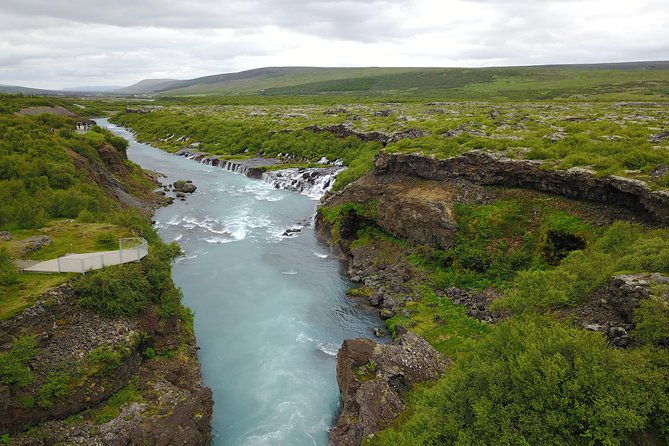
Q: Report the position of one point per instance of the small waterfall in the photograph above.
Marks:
(209, 161)
(312, 181)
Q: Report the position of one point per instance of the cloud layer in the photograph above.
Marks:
(48, 45)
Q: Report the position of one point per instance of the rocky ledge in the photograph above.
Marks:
(372, 379)
(91, 380)
(313, 181)
(487, 168)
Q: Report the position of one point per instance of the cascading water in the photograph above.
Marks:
(269, 302)
(313, 182)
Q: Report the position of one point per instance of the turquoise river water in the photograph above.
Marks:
(270, 310)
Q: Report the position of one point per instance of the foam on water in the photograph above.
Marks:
(270, 310)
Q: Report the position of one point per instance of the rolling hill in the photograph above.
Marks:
(636, 80)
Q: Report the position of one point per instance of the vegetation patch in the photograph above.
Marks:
(14, 370)
(536, 381)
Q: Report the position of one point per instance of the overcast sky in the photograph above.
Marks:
(59, 44)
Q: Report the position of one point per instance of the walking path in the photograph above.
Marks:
(80, 263)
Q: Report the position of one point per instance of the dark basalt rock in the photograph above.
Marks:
(494, 169)
(610, 309)
(372, 379)
(34, 243)
(185, 186)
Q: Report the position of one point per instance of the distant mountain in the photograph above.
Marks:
(147, 86)
(94, 89)
(18, 89)
(649, 80)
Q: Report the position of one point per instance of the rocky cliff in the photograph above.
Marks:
(487, 168)
(413, 198)
(372, 379)
(90, 379)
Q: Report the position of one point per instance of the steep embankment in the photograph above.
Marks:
(103, 358)
(479, 251)
(85, 377)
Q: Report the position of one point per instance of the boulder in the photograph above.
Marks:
(372, 379)
(184, 186)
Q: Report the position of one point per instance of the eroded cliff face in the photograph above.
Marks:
(372, 379)
(486, 168)
(417, 210)
(81, 359)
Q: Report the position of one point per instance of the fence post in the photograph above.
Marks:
(82, 265)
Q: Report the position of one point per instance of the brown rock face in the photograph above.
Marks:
(416, 210)
(494, 169)
(372, 378)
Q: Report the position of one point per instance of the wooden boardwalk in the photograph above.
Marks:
(80, 263)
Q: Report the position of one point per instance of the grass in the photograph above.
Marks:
(16, 298)
(603, 137)
(444, 325)
(69, 236)
(644, 81)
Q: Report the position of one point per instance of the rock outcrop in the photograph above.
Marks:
(345, 130)
(486, 168)
(82, 359)
(416, 210)
(610, 309)
(372, 379)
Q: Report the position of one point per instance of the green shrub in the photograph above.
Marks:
(55, 386)
(104, 359)
(652, 321)
(533, 381)
(14, 370)
(114, 291)
(8, 273)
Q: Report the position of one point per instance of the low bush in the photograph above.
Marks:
(534, 381)
(114, 291)
(14, 370)
(8, 273)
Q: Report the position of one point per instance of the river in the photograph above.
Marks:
(270, 310)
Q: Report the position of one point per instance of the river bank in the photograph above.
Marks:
(270, 309)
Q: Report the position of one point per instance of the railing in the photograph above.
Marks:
(80, 263)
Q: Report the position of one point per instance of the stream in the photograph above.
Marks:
(270, 309)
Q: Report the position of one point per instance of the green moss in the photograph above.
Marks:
(111, 408)
(363, 291)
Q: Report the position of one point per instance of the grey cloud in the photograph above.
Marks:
(363, 20)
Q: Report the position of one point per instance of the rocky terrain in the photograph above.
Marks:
(83, 361)
(413, 199)
(372, 379)
(494, 169)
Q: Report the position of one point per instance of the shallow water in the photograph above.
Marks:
(270, 310)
